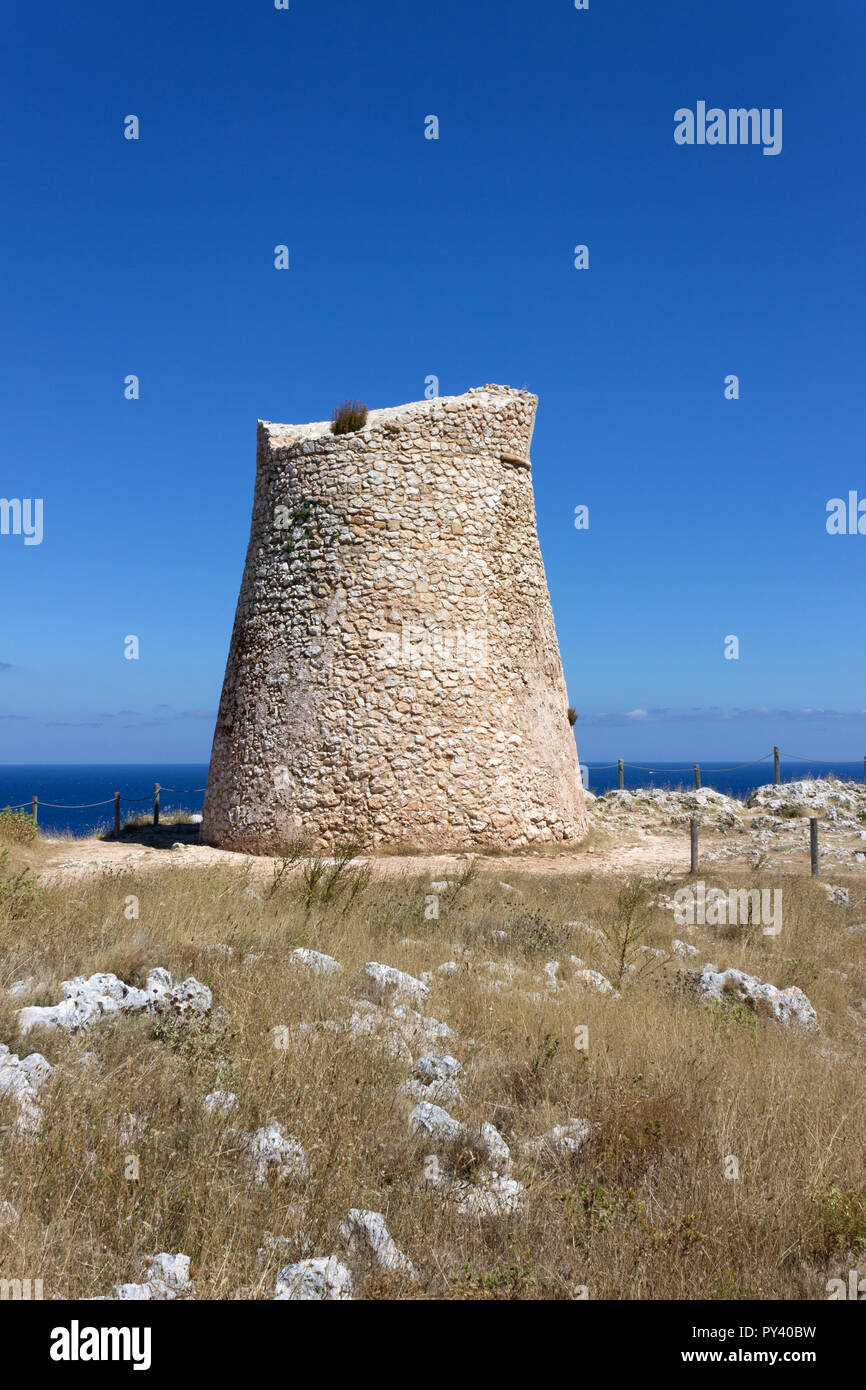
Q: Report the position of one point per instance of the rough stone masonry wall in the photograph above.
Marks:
(394, 673)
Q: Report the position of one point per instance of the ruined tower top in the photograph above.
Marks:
(394, 672)
(493, 399)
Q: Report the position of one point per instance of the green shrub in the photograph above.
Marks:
(20, 893)
(625, 926)
(534, 935)
(840, 1220)
(17, 828)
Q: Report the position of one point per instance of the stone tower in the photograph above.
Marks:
(394, 674)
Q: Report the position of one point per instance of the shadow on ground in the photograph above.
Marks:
(156, 836)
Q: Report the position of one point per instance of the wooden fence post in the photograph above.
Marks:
(156, 803)
(776, 776)
(697, 775)
(693, 838)
(117, 815)
(34, 808)
(813, 842)
(619, 775)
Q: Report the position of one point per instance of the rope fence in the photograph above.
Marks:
(776, 754)
(34, 803)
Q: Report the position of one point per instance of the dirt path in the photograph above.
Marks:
(86, 857)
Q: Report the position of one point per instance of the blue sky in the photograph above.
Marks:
(452, 257)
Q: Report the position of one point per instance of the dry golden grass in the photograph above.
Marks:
(670, 1086)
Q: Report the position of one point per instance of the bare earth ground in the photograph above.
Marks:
(634, 838)
(92, 856)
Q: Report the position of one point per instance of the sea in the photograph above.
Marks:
(79, 798)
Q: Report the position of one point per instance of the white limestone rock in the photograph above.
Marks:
(396, 1031)
(168, 1273)
(382, 983)
(489, 1195)
(654, 804)
(437, 1066)
(442, 1093)
(836, 895)
(436, 1121)
(839, 803)
(22, 1079)
(87, 1000)
(364, 1234)
(787, 1006)
(166, 1277)
(19, 987)
(420, 1030)
(595, 981)
(188, 999)
(682, 948)
(448, 968)
(36, 1068)
(494, 1148)
(322, 1278)
(434, 1079)
(275, 1155)
(220, 1102)
(315, 961)
(495, 1195)
(381, 1030)
(562, 1139)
